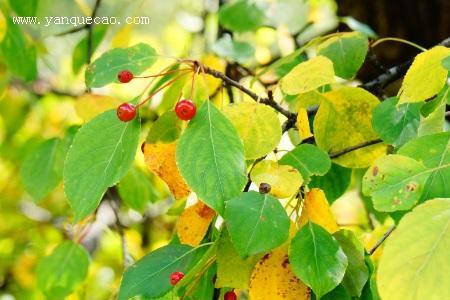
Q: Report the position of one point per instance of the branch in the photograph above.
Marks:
(90, 28)
(254, 96)
(394, 73)
(380, 241)
(353, 148)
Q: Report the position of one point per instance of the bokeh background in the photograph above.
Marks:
(47, 104)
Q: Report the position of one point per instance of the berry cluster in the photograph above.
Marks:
(185, 109)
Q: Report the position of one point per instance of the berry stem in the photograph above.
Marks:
(161, 88)
(162, 73)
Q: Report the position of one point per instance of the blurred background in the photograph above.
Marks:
(42, 86)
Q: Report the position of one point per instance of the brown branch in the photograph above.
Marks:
(383, 238)
(74, 30)
(353, 148)
(254, 96)
(90, 28)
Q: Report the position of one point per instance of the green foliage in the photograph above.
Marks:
(211, 144)
(136, 190)
(396, 124)
(419, 248)
(18, 53)
(346, 51)
(317, 259)
(60, 273)
(166, 129)
(241, 15)
(308, 160)
(233, 50)
(40, 174)
(79, 56)
(150, 276)
(257, 223)
(102, 152)
(104, 70)
(334, 183)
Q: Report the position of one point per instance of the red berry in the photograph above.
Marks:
(185, 110)
(230, 295)
(125, 76)
(175, 277)
(126, 112)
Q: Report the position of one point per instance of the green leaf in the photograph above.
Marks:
(396, 124)
(414, 264)
(149, 276)
(344, 120)
(79, 56)
(39, 171)
(166, 129)
(18, 53)
(241, 16)
(285, 64)
(334, 183)
(104, 70)
(232, 270)
(308, 76)
(210, 157)
(395, 182)
(433, 112)
(203, 288)
(136, 190)
(308, 160)
(256, 222)
(317, 259)
(347, 52)
(233, 50)
(101, 154)
(357, 272)
(24, 8)
(446, 63)
(60, 273)
(339, 293)
(258, 126)
(434, 152)
(426, 76)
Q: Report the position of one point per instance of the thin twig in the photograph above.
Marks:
(353, 148)
(383, 238)
(90, 28)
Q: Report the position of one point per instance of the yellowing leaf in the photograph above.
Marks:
(88, 106)
(304, 131)
(215, 63)
(317, 210)
(122, 37)
(308, 76)
(284, 180)
(160, 159)
(426, 76)
(2, 26)
(344, 120)
(273, 279)
(258, 126)
(194, 223)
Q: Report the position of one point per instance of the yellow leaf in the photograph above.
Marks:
(284, 180)
(258, 126)
(88, 106)
(304, 131)
(317, 210)
(194, 223)
(2, 26)
(308, 76)
(215, 63)
(344, 120)
(426, 76)
(273, 279)
(122, 37)
(160, 159)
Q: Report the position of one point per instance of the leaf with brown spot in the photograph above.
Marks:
(194, 223)
(317, 210)
(273, 279)
(160, 159)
